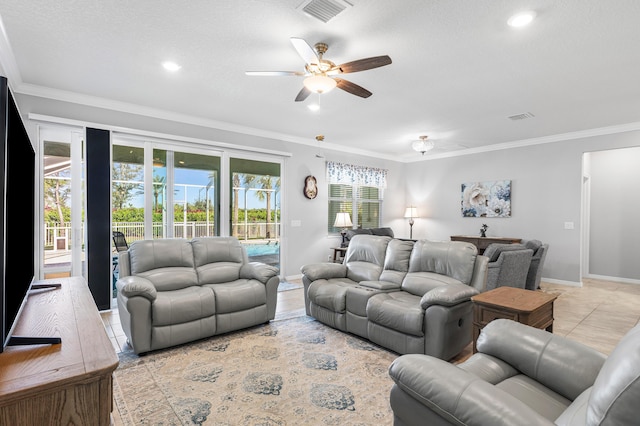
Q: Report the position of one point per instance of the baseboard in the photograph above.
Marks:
(614, 279)
(562, 282)
(293, 277)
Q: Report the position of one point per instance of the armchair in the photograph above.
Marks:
(508, 265)
(537, 261)
(521, 376)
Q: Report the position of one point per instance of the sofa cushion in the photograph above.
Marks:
(398, 310)
(330, 294)
(419, 283)
(495, 249)
(238, 295)
(217, 259)
(167, 263)
(180, 306)
(532, 244)
(396, 261)
(365, 257)
(454, 259)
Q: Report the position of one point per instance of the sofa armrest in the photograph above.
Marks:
(136, 286)
(458, 396)
(559, 363)
(318, 271)
(448, 295)
(258, 271)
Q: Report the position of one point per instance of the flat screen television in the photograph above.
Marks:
(17, 211)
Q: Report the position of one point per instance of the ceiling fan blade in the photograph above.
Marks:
(270, 73)
(305, 51)
(303, 94)
(352, 88)
(365, 64)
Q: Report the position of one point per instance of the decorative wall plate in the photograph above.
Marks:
(310, 187)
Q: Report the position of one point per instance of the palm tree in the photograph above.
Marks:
(268, 186)
(239, 179)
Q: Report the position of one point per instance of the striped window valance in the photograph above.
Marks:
(349, 174)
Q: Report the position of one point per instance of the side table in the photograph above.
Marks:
(338, 254)
(534, 308)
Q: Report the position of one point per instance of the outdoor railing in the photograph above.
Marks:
(59, 237)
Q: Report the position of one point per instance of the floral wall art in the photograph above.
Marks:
(486, 199)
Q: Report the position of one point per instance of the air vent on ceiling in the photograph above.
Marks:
(522, 116)
(324, 10)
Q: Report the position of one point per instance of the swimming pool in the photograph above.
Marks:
(262, 249)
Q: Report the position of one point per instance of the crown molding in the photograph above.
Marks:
(580, 134)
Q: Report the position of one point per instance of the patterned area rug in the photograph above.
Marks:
(290, 372)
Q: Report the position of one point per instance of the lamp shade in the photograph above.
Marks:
(343, 220)
(319, 83)
(410, 213)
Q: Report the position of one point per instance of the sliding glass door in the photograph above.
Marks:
(62, 201)
(164, 192)
(255, 208)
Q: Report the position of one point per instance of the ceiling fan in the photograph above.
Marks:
(320, 72)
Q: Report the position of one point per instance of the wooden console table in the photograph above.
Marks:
(483, 242)
(534, 308)
(66, 383)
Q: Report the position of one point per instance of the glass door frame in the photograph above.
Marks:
(149, 144)
(75, 137)
(227, 193)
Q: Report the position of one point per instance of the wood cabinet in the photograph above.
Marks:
(67, 383)
(483, 242)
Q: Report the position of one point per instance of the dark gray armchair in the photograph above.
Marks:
(508, 265)
(521, 376)
(537, 261)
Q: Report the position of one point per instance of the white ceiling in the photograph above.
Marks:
(458, 70)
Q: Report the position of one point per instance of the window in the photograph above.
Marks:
(357, 190)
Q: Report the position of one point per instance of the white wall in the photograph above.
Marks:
(546, 193)
(614, 226)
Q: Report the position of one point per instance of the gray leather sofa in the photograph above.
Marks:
(407, 296)
(521, 376)
(173, 291)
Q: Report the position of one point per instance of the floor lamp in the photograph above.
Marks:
(411, 213)
(343, 220)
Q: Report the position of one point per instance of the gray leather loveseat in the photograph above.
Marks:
(172, 291)
(521, 376)
(407, 296)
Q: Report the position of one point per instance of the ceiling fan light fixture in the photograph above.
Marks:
(319, 83)
(422, 145)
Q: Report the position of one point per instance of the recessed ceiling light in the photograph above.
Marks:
(171, 66)
(521, 19)
(313, 107)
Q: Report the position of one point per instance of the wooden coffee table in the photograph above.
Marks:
(534, 308)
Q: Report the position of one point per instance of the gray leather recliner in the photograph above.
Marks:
(407, 296)
(521, 376)
(173, 291)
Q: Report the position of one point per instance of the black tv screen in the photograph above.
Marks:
(17, 207)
